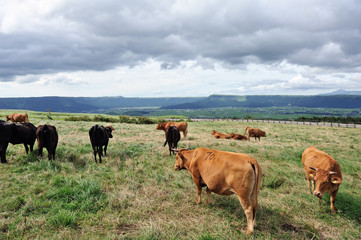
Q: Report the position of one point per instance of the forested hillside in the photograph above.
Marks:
(214, 101)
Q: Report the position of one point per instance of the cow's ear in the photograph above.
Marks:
(311, 174)
(181, 157)
(336, 180)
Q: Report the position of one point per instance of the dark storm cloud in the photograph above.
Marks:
(100, 35)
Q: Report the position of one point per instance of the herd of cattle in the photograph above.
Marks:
(221, 172)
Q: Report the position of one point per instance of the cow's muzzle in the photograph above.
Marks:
(318, 194)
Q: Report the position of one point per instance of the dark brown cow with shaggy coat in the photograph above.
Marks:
(325, 173)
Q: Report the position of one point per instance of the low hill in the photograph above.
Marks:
(107, 104)
(87, 104)
(214, 101)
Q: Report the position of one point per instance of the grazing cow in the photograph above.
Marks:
(99, 137)
(325, 173)
(172, 138)
(224, 173)
(238, 136)
(220, 135)
(18, 117)
(182, 127)
(16, 133)
(47, 137)
(255, 132)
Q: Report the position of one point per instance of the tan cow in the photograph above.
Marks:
(182, 127)
(238, 136)
(18, 117)
(254, 132)
(219, 135)
(224, 173)
(324, 171)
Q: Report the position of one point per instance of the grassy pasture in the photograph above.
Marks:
(136, 194)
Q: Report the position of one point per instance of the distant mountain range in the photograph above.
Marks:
(342, 92)
(88, 104)
(337, 99)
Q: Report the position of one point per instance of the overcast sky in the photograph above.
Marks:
(165, 48)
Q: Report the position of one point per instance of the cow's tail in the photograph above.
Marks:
(256, 188)
(26, 118)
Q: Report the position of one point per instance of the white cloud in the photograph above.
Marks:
(144, 48)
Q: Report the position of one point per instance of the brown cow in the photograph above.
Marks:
(324, 171)
(255, 132)
(220, 135)
(224, 173)
(238, 136)
(18, 117)
(182, 127)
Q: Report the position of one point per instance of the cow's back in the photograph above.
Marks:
(98, 135)
(226, 169)
(313, 157)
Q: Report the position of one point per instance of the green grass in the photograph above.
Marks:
(136, 194)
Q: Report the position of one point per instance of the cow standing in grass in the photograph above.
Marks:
(16, 133)
(18, 117)
(182, 127)
(47, 137)
(224, 173)
(99, 137)
(172, 138)
(254, 132)
(324, 171)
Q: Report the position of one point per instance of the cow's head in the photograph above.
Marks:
(109, 130)
(263, 134)
(232, 134)
(179, 165)
(161, 126)
(323, 180)
(214, 132)
(8, 118)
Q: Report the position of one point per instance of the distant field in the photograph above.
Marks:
(136, 194)
(279, 113)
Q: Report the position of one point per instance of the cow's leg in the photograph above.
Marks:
(309, 185)
(53, 155)
(185, 134)
(248, 211)
(3, 148)
(95, 153)
(40, 151)
(332, 200)
(105, 149)
(100, 150)
(196, 181)
(208, 195)
(26, 148)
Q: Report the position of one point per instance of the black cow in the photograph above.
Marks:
(47, 137)
(99, 137)
(172, 137)
(16, 133)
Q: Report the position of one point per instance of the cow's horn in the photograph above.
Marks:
(332, 172)
(175, 149)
